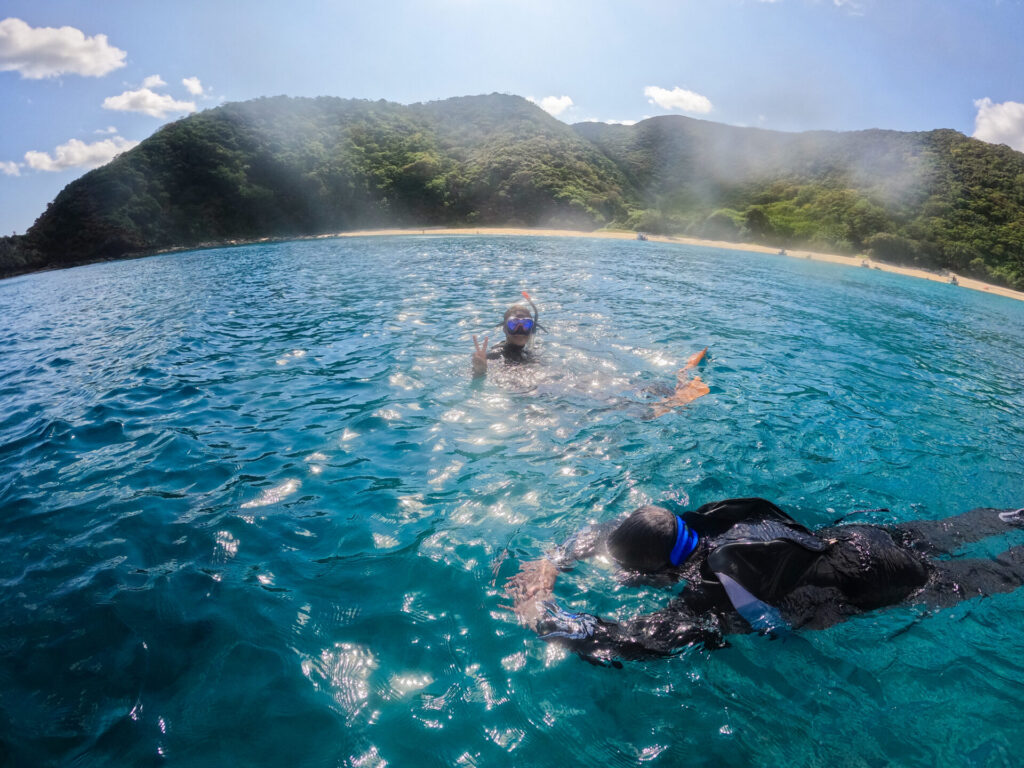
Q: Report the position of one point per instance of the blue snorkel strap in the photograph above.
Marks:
(686, 542)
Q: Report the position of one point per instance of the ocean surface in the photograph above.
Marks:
(255, 511)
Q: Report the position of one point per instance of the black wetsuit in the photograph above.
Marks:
(811, 579)
(510, 353)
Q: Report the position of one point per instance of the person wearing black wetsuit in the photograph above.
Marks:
(750, 567)
(519, 326)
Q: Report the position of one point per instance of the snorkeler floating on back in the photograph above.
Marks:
(750, 567)
(520, 325)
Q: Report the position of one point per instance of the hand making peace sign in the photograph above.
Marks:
(480, 356)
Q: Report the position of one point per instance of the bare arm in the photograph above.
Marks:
(530, 589)
(534, 585)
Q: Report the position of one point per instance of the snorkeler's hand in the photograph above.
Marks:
(566, 624)
(479, 357)
(530, 588)
(534, 578)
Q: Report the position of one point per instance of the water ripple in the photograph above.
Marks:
(256, 511)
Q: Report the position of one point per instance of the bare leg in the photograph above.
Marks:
(944, 536)
(687, 390)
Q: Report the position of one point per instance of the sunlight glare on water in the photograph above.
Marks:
(256, 512)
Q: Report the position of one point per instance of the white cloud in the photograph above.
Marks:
(1000, 123)
(153, 81)
(193, 86)
(553, 105)
(78, 154)
(677, 98)
(608, 122)
(10, 168)
(108, 129)
(38, 52)
(853, 7)
(148, 103)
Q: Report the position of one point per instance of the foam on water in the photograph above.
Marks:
(255, 511)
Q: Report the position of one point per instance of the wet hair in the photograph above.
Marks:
(644, 540)
(517, 310)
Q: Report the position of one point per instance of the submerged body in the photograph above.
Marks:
(510, 353)
(754, 568)
(520, 325)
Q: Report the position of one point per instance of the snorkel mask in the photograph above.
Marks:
(517, 324)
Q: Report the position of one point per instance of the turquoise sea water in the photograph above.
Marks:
(254, 511)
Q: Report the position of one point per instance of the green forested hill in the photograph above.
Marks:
(282, 167)
(935, 199)
(514, 163)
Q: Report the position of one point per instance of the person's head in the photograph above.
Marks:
(649, 538)
(518, 325)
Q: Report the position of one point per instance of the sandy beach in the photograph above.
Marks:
(850, 261)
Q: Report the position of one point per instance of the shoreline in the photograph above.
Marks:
(831, 258)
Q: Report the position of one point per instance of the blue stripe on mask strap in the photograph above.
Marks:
(686, 542)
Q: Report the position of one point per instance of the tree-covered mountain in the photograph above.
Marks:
(280, 167)
(937, 199)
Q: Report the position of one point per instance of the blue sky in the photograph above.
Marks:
(80, 81)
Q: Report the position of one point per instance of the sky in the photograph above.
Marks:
(82, 80)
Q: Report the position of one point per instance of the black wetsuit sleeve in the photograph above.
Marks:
(652, 635)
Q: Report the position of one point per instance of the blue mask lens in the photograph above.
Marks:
(519, 325)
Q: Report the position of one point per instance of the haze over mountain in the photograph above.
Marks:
(281, 167)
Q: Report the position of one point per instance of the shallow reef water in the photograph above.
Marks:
(254, 510)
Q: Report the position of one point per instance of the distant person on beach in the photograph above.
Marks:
(748, 566)
(520, 324)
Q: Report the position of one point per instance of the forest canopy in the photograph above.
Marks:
(282, 167)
